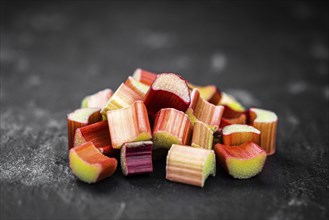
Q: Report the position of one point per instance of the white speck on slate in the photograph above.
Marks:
(297, 87)
(218, 62)
(326, 92)
(156, 40)
(120, 211)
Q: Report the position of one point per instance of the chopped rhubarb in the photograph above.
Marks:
(237, 134)
(171, 127)
(204, 111)
(79, 118)
(241, 162)
(202, 136)
(90, 165)
(144, 76)
(267, 122)
(97, 100)
(123, 97)
(138, 87)
(98, 133)
(231, 102)
(129, 124)
(168, 90)
(210, 93)
(136, 158)
(242, 119)
(190, 165)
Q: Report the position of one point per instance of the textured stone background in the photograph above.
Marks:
(274, 56)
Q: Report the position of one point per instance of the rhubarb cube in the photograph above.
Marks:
(90, 165)
(136, 158)
(129, 124)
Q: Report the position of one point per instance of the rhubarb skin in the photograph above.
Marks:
(123, 97)
(242, 119)
(138, 87)
(129, 124)
(144, 76)
(237, 134)
(190, 165)
(90, 165)
(168, 90)
(136, 158)
(80, 118)
(210, 93)
(98, 133)
(205, 111)
(171, 127)
(243, 161)
(202, 136)
(97, 100)
(267, 122)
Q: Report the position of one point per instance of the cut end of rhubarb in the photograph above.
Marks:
(165, 140)
(237, 134)
(82, 115)
(172, 83)
(264, 116)
(89, 165)
(136, 158)
(231, 102)
(236, 128)
(190, 165)
(243, 161)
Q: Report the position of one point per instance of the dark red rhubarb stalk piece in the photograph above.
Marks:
(168, 90)
(136, 158)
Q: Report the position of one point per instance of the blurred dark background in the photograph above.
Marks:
(273, 55)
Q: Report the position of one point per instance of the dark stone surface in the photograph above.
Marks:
(274, 56)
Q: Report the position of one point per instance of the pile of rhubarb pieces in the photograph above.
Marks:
(192, 125)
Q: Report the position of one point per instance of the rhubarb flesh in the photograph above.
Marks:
(144, 76)
(267, 122)
(231, 102)
(202, 136)
(90, 165)
(190, 165)
(140, 88)
(171, 127)
(123, 97)
(80, 118)
(243, 161)
(97, 100)
(237, 134)
(98, 133)
(136, 158)
(167, 91)
(205, 111)
(129, 124)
